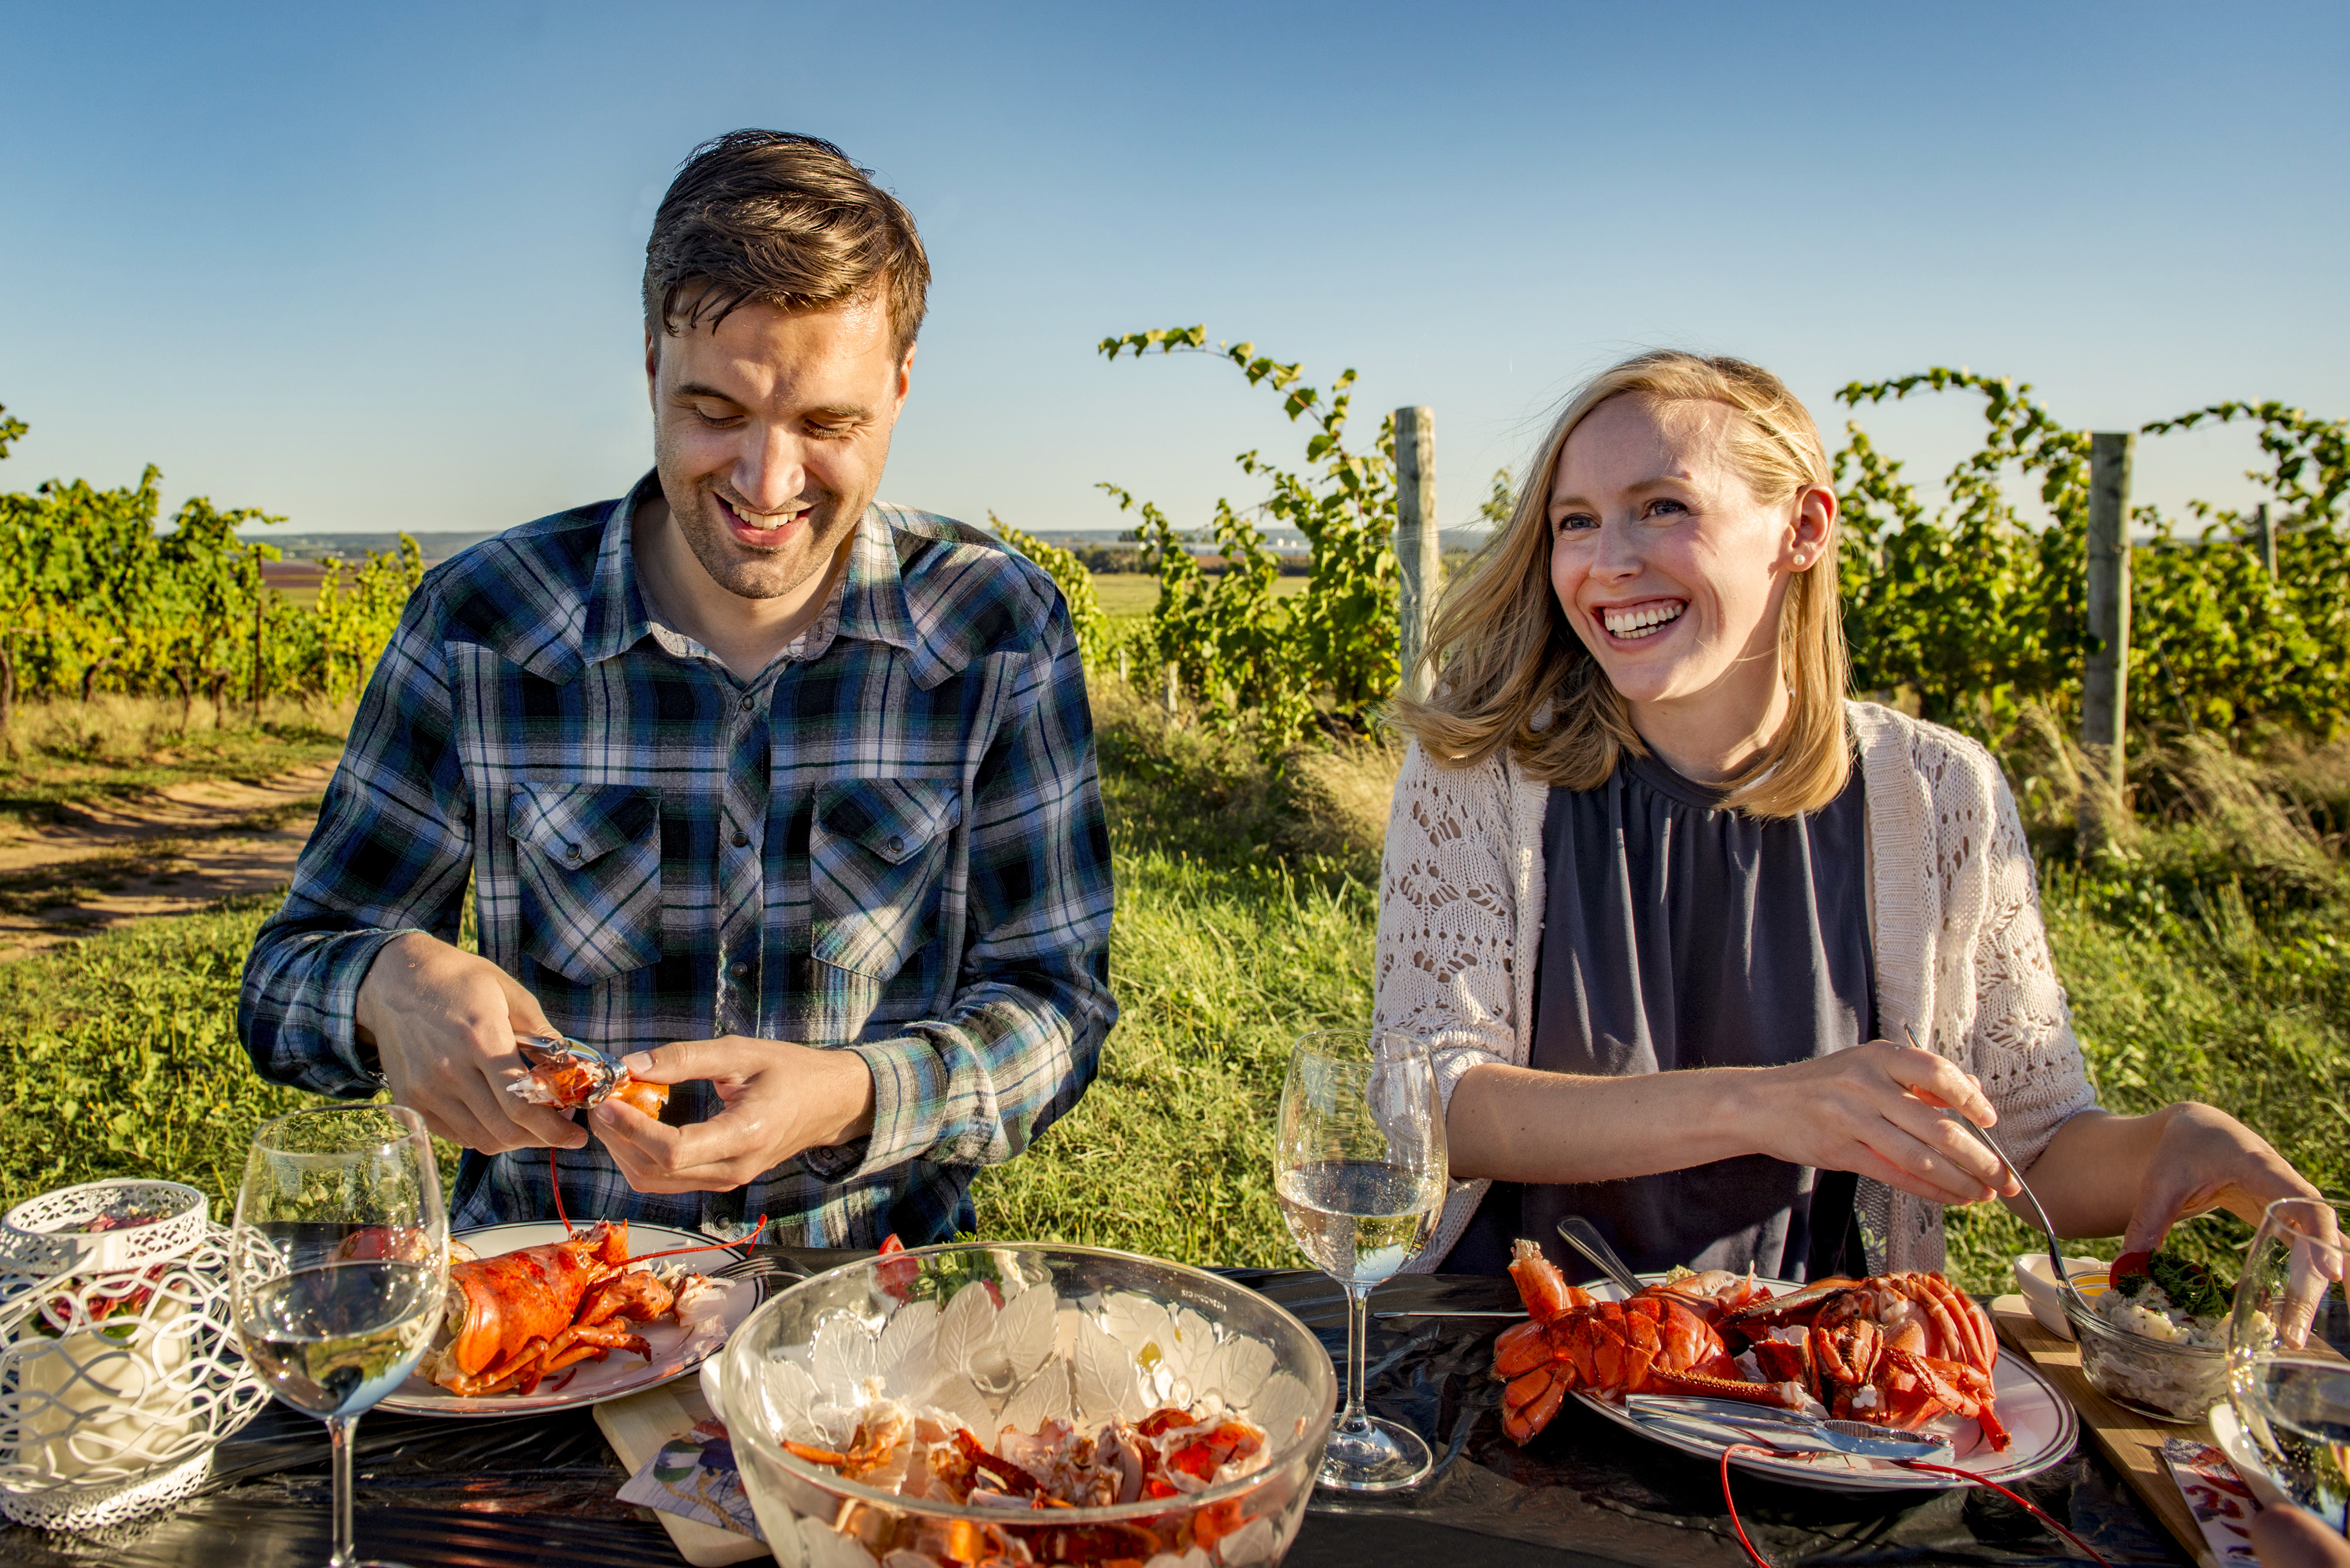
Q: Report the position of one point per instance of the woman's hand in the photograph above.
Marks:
(779, 1099)
(1876, 1109)
(2204, 1159)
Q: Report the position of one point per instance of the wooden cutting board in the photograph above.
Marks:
(636, 1427)
(2130, 1441)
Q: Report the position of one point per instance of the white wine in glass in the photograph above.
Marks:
(1360, 1176)
(2289, 1353)
(341, 1253)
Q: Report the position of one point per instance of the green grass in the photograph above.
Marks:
(124, 1060)
(2182, 991)
(118, 747)
(1218, 968)
(1131, 595)
(2189, 980)
(1126, 596)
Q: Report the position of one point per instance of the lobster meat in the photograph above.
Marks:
(1026, 1477)
(571, 1076)
(1894, 1350)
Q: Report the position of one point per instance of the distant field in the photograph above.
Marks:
(1131, 596)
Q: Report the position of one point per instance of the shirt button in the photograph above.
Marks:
(571, 850)
(741, 839)
(739, 970)
(897, 845)
(746, 704)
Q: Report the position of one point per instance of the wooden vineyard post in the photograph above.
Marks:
(2264, 538)
(1417, 549)
(2105, 682)
(260, 598)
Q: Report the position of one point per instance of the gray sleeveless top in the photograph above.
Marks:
(1678, 935)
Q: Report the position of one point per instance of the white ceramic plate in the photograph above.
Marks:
(593, 1382)
(2040, 1425)
(2228, 1433)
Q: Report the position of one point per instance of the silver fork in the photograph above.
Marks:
(760, 1266)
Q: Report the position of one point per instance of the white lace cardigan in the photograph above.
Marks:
(1954, 924)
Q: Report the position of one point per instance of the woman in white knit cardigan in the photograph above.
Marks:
(1644, 675)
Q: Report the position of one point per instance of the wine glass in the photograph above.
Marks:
(1360, 1177)
(341, 1258)
(2289, 1352)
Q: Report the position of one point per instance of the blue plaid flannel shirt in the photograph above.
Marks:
(890, 842)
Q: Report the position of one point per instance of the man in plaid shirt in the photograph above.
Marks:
(790, 795)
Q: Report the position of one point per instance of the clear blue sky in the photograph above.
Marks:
(376, 266)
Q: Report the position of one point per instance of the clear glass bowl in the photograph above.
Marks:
(1107, 1334)
(2152, 1376)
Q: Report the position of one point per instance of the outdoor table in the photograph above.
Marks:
(540, 1488)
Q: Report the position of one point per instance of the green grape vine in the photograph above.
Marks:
(97, 596)
(1249, 661)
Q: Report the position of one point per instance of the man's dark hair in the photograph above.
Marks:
(766, 217)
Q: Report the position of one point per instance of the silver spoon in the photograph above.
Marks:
(2055, 1258)
(1585, 1238)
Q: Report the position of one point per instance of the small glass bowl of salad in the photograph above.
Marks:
(2153, 1338)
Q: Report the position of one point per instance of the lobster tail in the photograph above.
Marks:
(498, 1305)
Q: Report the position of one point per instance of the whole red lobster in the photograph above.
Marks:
(523, 1315)
(1894, 1349)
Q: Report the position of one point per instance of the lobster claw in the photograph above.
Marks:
(565, 1073)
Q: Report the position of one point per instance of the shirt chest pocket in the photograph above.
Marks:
(877, 849)
(588, 860)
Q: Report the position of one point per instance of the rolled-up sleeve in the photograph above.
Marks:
(389, 855)
(1023, 1038)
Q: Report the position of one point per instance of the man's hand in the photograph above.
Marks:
(1877, 1109)
(2205, 1159)
(443, 1022)
(780, 1099)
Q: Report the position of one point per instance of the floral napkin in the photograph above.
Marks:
(2222, 1504)
(694, 1476)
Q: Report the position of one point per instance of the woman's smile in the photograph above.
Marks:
(1641, 620)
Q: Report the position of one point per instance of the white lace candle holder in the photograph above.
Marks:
(120, 1366)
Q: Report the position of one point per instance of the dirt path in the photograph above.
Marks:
(103, 864)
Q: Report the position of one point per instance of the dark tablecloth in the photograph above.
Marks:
(540, 1488)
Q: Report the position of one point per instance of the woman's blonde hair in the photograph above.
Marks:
(1508, 670)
